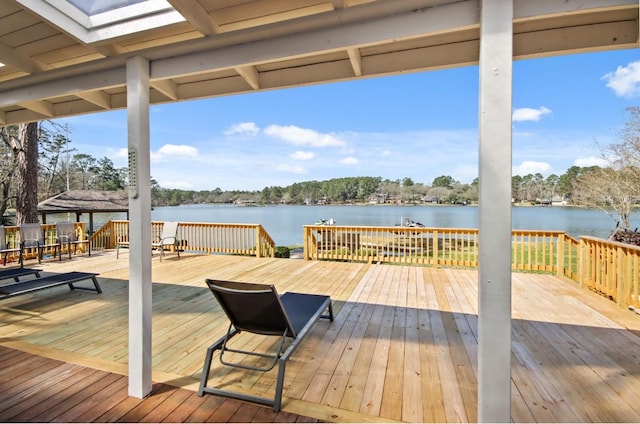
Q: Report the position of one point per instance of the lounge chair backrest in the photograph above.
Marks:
(31, 235)
(255, 308)
(66, 232)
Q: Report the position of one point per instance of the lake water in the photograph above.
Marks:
(284, 223)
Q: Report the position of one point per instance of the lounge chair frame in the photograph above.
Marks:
(53, 280)
(17, 273)
(289, 316)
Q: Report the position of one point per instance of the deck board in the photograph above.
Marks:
(403, 346)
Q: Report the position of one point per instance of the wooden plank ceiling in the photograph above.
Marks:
(208, 48)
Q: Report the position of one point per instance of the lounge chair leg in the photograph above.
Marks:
(206, 369)
(277, 401)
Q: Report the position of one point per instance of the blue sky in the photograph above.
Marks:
(420, 125)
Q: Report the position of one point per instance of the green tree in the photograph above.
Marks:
(445, 181)
(108, 177)
(81, 166)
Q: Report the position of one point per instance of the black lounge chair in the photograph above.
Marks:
(258, 309)
(53, 280)
(16, 273)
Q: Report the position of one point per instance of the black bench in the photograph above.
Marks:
(54, 280)
(16, 273)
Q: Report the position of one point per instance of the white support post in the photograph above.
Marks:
(494, 240)
(140, 300)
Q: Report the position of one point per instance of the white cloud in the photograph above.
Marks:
(591, 161)
(532, 167)
(118, 154)
(625, 80)
(530, 114)
(300, 155)
(293, 169)
(243, 128)
(303, 136)
(349, 161)
(178, 150)
(173, 151)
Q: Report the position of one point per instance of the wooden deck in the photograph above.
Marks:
(403, 346)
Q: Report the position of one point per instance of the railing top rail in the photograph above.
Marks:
(386, 228)
(554, 232)
(219, 224)
(611, 242)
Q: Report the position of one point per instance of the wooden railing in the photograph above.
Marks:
(612, 269)
(609, 268)
(237, 239)
(12, 234)
(546, 251)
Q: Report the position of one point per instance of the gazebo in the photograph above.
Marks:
(69, 57)
(85, 201)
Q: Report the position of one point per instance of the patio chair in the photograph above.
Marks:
(122, 239)
(168, 239)
(33, 238)
(67, 236)
(5, 249)
(258, 309)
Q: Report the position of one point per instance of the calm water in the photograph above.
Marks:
(284, 223)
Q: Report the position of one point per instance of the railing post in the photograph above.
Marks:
(560, 256)
(621, 286)
(583, 263)
(436, 249)
(258, 244)
(305, 243)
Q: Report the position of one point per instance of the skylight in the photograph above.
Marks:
(93, 7)
(91, 21)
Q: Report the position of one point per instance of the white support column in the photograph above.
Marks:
(139, 228)
(494, 240)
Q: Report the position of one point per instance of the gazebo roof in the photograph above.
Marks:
(80, 201)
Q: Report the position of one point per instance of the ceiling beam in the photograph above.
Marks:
(196, 15)
(166, 87)
(64, 86)
(356, 60)
(39, 106)
(529, 9)
(10, 57)
(340, 30)
(408, 25)
(251, 75)
(98, 98)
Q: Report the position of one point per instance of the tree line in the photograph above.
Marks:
(38, 163)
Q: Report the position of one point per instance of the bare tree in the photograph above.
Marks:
(613, 191)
